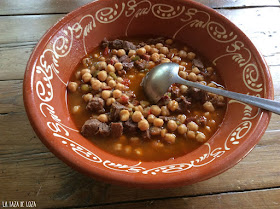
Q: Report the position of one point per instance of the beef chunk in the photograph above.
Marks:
(130, 126)
(118, 44)
(94, 127)
(164, 101)
(126, 62)
(146, 57)
(140, 64)
(198, 63)
(197, 94)
(184, 104)
(128, 46)
(141, 44)
(201, 121)
(117, 129)
(115, 111)
(155, 40)
(146, 134)
(96, 105)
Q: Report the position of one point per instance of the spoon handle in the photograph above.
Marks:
(266, 104)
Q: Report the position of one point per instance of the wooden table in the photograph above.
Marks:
(30, 172)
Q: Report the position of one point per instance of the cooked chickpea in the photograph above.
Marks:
(159, 45)
(120, 52)
(119, 79)
(83, 71)
(143, 125)
(117, 93)
(105, 94)
(114, 51)
(148, 48)
(141, 51)
(78, 75)
(182, 54)
(207, 114)
(192, 77)
(76, 109)
(182, 118)
(191, 55)
(155, 57)
(158, 122)
(176, 59)
(157, 144)
(196, 70)
(211, 123)
(87, 97)
(170, 138)
(102, 75)
(124, 115)
(127, 149)
(86, 77)
(164, 50)
(134, 140)
(103, 118)
(139, 108)
(146, 112)
(144, 103)
(155, 110)
(118, 147)
(163, 132)
(110, 68)
(151, 118)
(181, 68)
(169, 41)
(119, 86)
(173, 105)
(137, 116)
(183, 89)
(101, 58)
(183, 74)
(192, 126)
(165, 60)
(210, 70)
(200, 137)
(109, 78)
(200, 77)
(112, 83)
(164, 111)
(191, 134)
(131, 52)
(110, 101)
(72, 86)
(101, 65)
(150, 64)
(182, 129)
(118, 66)
(208, 106)
(95, 84)
(154, 50)
(171, 125)
(138, 151)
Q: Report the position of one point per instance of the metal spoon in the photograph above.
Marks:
(157, 82)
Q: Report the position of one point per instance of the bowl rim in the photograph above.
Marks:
(122, 178)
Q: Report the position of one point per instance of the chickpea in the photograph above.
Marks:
(169, 41)
(208, 106)
(87, 97)
(134, 140)
(182, 54)
(207, 128)
(131, 52)
(144, 103)
(110, 101)
(211, 123)
(112, 83)
(182, 129)
(117, 93)
(155, 57)
(210, 70)
(119, 79)
(191, 134)
(192, 77)
(200, 137)
(118, 147)
(109, 78)
(146, 112)
(154, 50)
(105, 94)
(158, 122)
(83, 71)
(164, 111)
(183, 89)
(101, 59)
(155, 131)
(102, 75)
(182, 118)
(165, 60)
(155, 110)
(207, 114)
(143, 125)
(114, 51)
(76, 109)
(95, 84)
(159, 45)
(157, 144)
(72, 86)
(163, 132)
(119, 86)
(138, 151)
(121, 52)
(164, 50)
(127, 149)
(118, 66)
(85, 87)
(192, 126)
(191, 55)
(196, 70)
(137, 116)
(150, 64)
(141, 51)
(200, 77)
(124, 115)
(173, 105)
(103, 118)
(139, 108)
(151, 118)
(148, 48)
(172, 125)
(176, 59)
(78, 74)
(86, 77)
(181, 68)
(101, 65)
(183, 74)
(170, 138)
(110, 68)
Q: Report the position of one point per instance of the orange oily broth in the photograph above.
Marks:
(152, 150)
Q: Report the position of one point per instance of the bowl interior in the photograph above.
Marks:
(210, 34)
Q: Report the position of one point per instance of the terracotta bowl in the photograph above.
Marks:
(241, 66)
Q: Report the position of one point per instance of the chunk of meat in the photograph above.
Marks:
(184, 104)
(96, 105)
(130, 126)
(94, 127)
(115, 110)
(140, 64)
(118, 44)
(146, 134)
(126, 62)
(155, 40)
(197, 94)
(116, 129)
(198, 63)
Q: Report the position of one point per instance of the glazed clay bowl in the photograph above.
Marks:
(59, 51)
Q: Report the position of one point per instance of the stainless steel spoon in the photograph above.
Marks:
(161, 77)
